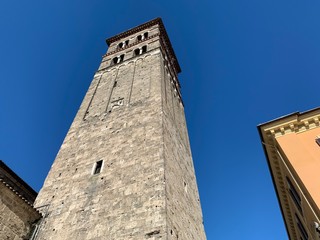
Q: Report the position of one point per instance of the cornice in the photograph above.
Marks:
(7, 185)
(282, 192)
(273, 160)
(293, 123)
(16, 185)
(133, 30)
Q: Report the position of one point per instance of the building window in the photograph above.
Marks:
(140, 51)
(294, 194)
(144, 49)
(142, 36)
(137, 52)
(303, 232)
(118, 59)
(121, 58)
(123, 44)
(97, 167)
(115, 60)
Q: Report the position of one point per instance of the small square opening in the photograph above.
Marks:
(98, 167)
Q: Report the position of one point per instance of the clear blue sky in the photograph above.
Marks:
(243, 62)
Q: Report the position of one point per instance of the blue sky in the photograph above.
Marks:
(243, 63)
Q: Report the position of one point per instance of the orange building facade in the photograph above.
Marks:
(292, 148)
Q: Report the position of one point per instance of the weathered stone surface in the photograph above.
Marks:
(132, 118)
(16, 216)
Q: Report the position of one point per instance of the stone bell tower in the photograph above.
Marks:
(125, 170)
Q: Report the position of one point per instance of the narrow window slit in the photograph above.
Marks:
(121, 58)
(144, 49)
(98, 167)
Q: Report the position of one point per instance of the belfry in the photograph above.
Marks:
(125, 169)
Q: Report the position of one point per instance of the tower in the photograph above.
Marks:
(125, 170)
(292, 147)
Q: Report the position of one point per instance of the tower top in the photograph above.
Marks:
(164, 39)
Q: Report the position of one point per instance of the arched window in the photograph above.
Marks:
(137, 52)
(116, 60)
(140, 51)
(142, 36)
(121, 58)
(144, 49)
(123, 44)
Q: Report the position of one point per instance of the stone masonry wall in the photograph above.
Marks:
(132, 120)
(16, 216)
(184, 215)
(127, 199)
